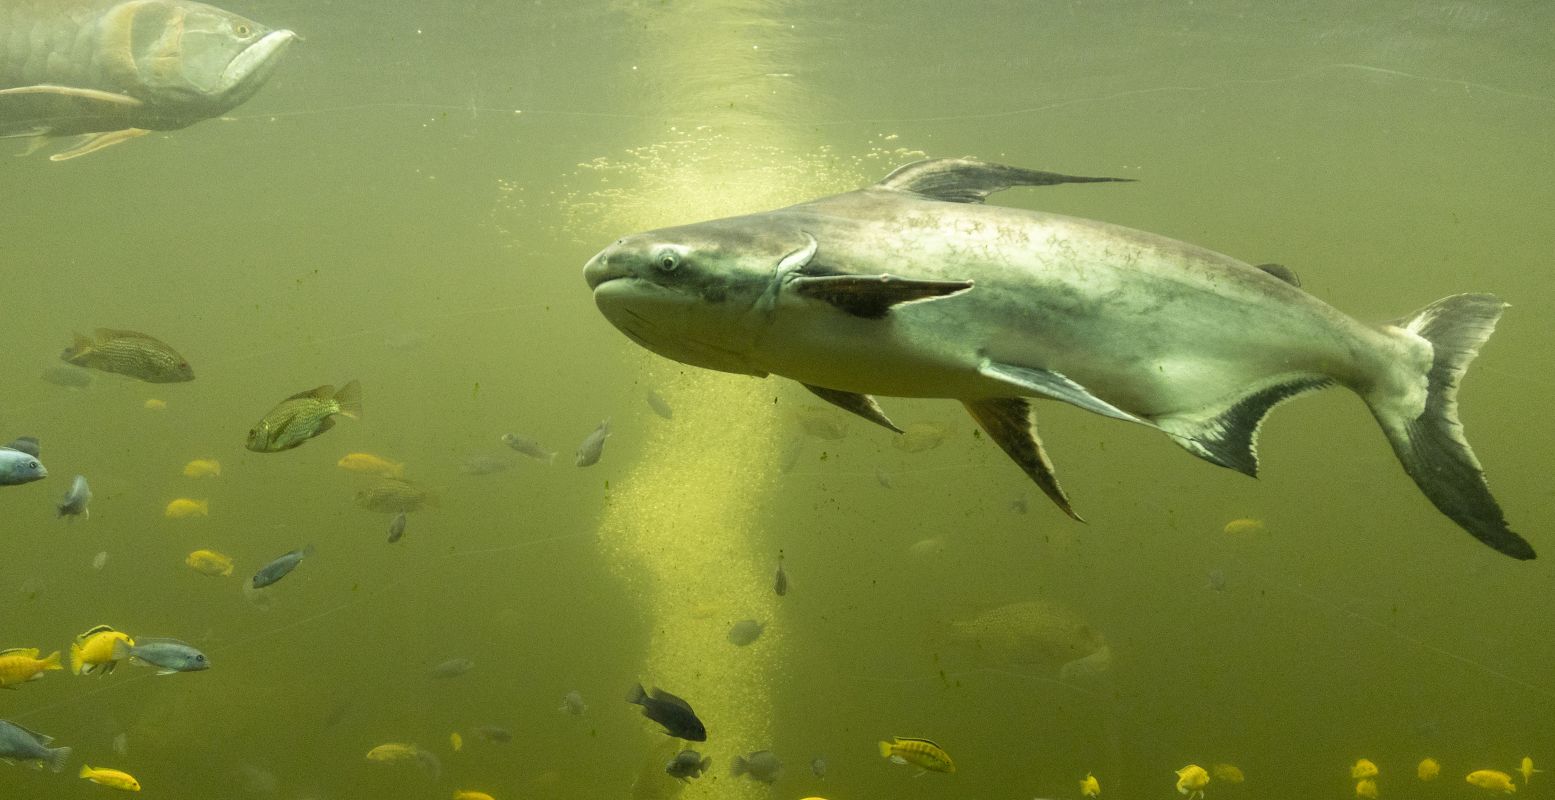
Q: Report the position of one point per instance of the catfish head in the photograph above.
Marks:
(189, 60)
(700, 294)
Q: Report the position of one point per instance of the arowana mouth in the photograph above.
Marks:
(261, 57)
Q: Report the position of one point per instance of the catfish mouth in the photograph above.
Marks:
(256, 62)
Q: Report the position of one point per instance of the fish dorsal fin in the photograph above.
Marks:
(1282, 272)
(40, 738)
(25, 444)
(29, 651)
(964, 180)
(665, 697)
(325, 392)
(872, 296)
(94, 631)
(930, 742)
(105, 335)
(1012, 424)
(860, 404)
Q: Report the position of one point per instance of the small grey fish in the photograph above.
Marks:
(168, 655)
(19, 462)
(884, 479)
(670, 711)
(396, 527)
(73, 504)
(429, 762)
(780, 580)
(528, 447)
(121, 744)
(303, 416)
(100, 560)
(762, 765)
(128, 353)
(1217, 580)
(19, 744)
(484, 465)
(493, 733)
(788, 458)
(818, 766)
(687, 765)
(280, 567)
(573, 704)
(452, 668)
(745, 631)
(593, 446)
(659, 405)
(1020, 505)
(68, 376)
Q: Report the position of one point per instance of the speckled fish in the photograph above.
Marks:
(593, 445)
(19, 462)
(73, 504)
(389, 496)
(912, 287)
(303, 416)
(110, 70)
(19, 744)
(136, 355)
(670, 711)
(167, 655)
(687, 765)
(920, 753)
(280, 567)
(573, 704)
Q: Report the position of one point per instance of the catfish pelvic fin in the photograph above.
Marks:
(1047, 383)
(1012, 424)
(860, 404)
(871, 296)
(965, 180)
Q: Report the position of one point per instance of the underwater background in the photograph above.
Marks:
(409, 203)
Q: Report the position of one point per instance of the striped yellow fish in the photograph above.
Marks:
(93, 651)
(129, 353)
(21, 664)
(918, 752)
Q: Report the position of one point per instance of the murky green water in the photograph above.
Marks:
(410, 202)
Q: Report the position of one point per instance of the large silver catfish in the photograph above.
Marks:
(111, 70)
(913, 288)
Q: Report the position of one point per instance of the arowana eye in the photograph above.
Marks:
(667, 260)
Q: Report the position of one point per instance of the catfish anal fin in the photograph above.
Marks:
(860, 404)
(1228, 436)
(1012, 424)
(872, 296)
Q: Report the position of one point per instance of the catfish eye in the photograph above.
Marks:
(667, 260)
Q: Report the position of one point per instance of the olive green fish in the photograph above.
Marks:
(303, 416)
(129, 353)
(392, 495)
(107, 71)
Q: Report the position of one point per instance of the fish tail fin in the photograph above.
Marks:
(78, 344)
(396, 470)
(77, 665)
(85, 770)
(52, 661)
(203, 507)
(636, 695)
(58, 756)
(738, 766)
(1426, 434)
(350, 399)
(885, 749)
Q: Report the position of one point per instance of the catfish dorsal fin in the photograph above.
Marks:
(1282, 272)
(965, 180)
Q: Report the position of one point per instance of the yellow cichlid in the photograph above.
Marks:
(918, 752)
(153, 404)
(1492, 779)
(1428, 769)
(456, 741)
(21, 664)
(93, 651)
(1090, 787)
(1363, 768)
(111, 778)
(466, 794)
(372, 465)
(1191, 780)
(1366, 789)
(1239, 527)
(303, 416)
(1526, 768)
(183, 508)
(210, 562)
(1230, 773)
(393, 751)
(202, 468)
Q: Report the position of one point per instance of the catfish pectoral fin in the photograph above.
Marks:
(1048, 383)
(871, 296)
(860, 404)
(1012, 424)
(92, 142)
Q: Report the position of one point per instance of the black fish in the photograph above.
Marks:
(670, 711)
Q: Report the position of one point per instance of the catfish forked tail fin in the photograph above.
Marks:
(1431, 446)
